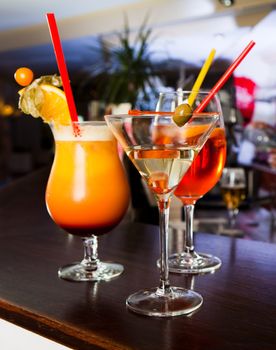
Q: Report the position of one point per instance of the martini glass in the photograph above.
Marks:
(201, 177)
(162, 162)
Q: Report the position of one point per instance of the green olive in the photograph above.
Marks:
(182, 114)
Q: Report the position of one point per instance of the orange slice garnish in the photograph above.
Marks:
(54, 107)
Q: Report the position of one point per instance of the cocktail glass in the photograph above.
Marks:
(87, 193)
(201, 177)
(233, 190)
(162, 162)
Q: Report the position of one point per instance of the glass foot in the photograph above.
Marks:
(196, 263)
(151, 303)
(78, 273)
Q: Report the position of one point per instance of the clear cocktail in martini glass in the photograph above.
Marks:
(162, 162)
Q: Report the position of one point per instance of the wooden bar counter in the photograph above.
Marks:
(238, 312)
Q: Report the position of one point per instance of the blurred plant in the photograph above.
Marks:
(123, 71)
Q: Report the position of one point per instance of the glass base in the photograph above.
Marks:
(193, 263)
(78, 273)
(150, 302)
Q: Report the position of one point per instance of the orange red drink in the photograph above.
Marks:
(205, 170)
(207, 166)
(87, 192)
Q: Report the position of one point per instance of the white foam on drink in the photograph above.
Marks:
(87, 133)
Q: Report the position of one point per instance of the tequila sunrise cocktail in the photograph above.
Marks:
(87, 193)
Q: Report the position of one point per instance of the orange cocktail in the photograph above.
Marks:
(87, 192)
(200, 178)
(205, 170)
(202, 175)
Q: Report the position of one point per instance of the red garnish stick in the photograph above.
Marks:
(224, 78)
(62, 66)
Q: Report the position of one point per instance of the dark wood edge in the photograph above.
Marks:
(56, 331)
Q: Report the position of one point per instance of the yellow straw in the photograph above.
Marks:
(200, 78)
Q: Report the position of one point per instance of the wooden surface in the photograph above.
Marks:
(264, 168)
(239, 309)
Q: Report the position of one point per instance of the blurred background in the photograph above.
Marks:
(121, 53)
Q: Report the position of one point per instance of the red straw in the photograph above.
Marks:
(62, 66)
(224, 78)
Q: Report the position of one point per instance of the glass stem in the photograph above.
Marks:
(189, 232)
(90, 260)
(233, 217)
(164, 208)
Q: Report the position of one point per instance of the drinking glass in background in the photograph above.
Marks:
(162, 162)
(201, 177)
(87, 193)
(233, 190)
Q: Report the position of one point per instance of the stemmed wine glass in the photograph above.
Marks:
(87, 193)
(162, 162)
(233, 188)
(203, 174)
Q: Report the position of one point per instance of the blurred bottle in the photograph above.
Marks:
(259, 139)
